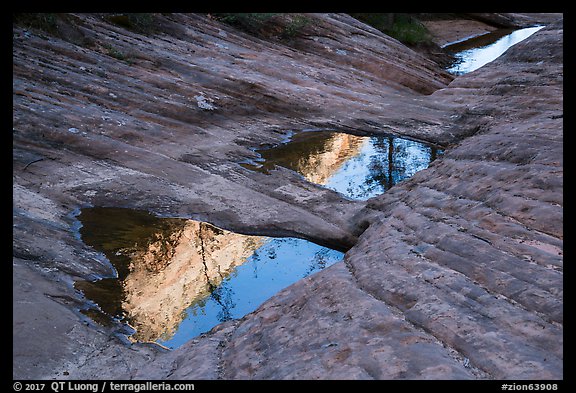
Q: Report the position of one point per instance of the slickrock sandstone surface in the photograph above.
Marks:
(455, 273)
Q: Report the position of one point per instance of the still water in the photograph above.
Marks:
(476, 52)
(177, 278)
(359, 167)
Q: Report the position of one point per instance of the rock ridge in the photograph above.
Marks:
(456, 273)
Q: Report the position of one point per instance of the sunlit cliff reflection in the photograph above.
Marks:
(359, 167)
(178, 278)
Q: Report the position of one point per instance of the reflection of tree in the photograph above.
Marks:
(393, 162)
(164, 265)
(384, 167)
(332, 159)
(433, 154)
(319, 261)
(120, 234)
(223, 295)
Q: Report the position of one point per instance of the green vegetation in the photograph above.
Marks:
(295, 26)
(143, 23)
(63, 26)
(41, 21)
(285, 26)
(404, 27)
(247, 22)
(118, 54)
(45, 22)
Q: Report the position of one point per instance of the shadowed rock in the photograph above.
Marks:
(459, 274)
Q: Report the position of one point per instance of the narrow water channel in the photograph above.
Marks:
(476, 52)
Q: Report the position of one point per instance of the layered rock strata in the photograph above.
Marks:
(459, 274)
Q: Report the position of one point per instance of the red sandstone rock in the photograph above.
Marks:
(458, 276)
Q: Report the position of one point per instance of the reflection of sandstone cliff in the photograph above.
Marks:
(317, 168)
(315, 155)
(164, 265)
(177, 269)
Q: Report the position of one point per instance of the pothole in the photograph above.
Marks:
(177, 278)
(359, 167)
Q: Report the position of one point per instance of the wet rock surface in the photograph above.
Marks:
(458, 276)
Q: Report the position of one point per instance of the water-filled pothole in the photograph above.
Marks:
(359, 167)
(177, 278)
(476, 52)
